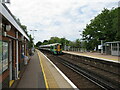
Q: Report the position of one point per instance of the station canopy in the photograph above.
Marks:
(8, 15)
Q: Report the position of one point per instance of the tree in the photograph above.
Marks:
(45, 42)
(78, 43)
(105, 25)
(22, 26)
(54, 40)
(30, 43)
(38, 44)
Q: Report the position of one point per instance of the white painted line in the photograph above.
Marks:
(64, 76)
(94, 57)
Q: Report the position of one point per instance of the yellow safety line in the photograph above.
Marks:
(46, 83)
(95, 56)
(11, 83)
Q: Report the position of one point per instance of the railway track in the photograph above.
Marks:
(110, 67)
(106, 71)
(99, 80)
(90, 72)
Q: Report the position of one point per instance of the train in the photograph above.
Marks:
(54, 48)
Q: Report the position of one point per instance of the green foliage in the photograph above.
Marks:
(45, 42)
(38, 44)
(22, 26)
(63, 41)
(104, 25)
(54, 40)
(76, 43)
(30, 43)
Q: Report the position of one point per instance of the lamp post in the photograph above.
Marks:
(81, 42)
(101, 39)
(33, 34)
(65, 45)
(101, 46)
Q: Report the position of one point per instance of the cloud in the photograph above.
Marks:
(62, 18)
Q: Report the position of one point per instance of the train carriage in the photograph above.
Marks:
(53, 48)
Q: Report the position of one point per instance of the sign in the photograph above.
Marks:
(99, 46)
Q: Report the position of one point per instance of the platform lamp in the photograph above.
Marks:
(33, 35)
(81, 49)
(101, 39)
(7, 29)
(33, 32)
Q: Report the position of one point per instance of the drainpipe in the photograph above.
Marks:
(17, 56)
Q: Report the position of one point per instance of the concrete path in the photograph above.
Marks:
(33, 76)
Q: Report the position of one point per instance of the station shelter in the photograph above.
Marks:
(112, 48)
(13, 43)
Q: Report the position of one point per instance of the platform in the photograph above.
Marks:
(42, 73)
(54, 78)
(100, 56)
(32, 76)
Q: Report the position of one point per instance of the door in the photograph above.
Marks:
(115, 49)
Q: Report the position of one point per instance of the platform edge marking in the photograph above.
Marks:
(46, 83)
(11, 82)
(64, 76)
(105, 59)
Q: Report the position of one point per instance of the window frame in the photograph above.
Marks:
(6, 60)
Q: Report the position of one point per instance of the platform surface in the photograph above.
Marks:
(96, 55)
(33, 76)
(53, 78)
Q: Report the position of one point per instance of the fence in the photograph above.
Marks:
(75, 49)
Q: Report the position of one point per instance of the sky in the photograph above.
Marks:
(58, 18)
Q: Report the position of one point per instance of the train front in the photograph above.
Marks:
(59, 50)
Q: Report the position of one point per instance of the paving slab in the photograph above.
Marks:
(54, 78)
(33, 76)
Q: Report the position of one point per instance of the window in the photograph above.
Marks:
(51, 47)
(114, 46)
(5, 56)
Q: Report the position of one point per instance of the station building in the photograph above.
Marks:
(13, 43)
(112, 48)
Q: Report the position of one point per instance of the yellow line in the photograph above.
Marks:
(97, 57)
(46, 83)
(94, 56)
(11, 83)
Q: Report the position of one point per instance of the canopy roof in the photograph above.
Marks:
(113, 42)
(8, 15)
